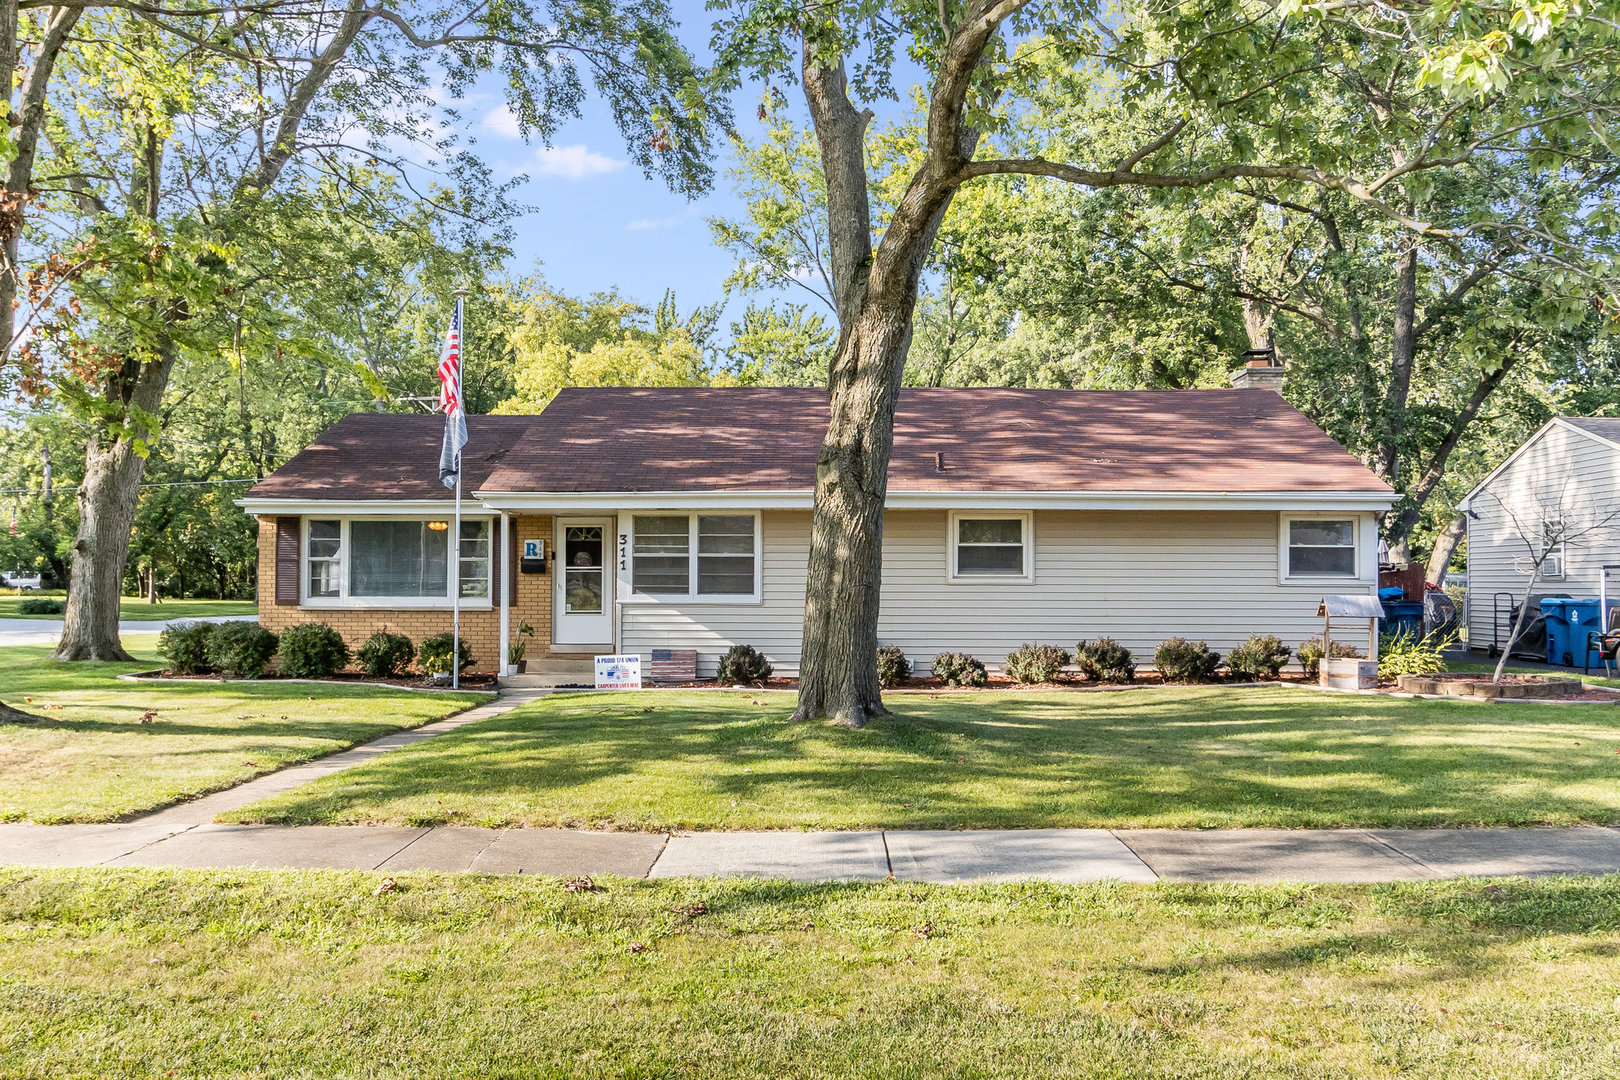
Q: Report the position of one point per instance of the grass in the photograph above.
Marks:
(316, 974)
(90, 758)
(135, 608)
(1152, 757)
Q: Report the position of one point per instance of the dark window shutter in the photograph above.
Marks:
(287, 562)
(512, 567)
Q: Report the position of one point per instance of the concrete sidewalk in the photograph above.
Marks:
(946, 857)
(47, 631)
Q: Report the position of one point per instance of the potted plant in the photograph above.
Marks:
(519, 647)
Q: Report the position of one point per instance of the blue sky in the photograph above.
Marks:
(597, 222)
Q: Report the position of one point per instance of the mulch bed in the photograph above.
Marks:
(996, 683)
(353, 678)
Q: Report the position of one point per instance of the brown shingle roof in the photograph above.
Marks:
(389, 456)
(737, 439)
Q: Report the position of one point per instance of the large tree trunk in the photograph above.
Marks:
(838, 667)
(876, 295)
(1403, 349)
(1445, 546)
(107, 500)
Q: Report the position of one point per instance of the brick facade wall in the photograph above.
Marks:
(480, 628)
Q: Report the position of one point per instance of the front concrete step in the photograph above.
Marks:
(562, 665)
(531, 681)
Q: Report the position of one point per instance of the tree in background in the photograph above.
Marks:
(1216, 86)
(161, 156)
(554, 340)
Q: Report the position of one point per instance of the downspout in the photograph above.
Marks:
(505, 559)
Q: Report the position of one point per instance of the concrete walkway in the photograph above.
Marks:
(205, 809)
(947, 857)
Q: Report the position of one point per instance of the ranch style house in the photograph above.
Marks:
(627, 520)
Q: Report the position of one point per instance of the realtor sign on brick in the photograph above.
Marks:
(618, 673)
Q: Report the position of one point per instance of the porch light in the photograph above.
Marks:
(438, 526)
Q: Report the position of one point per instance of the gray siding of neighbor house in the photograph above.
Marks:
(1560, 462)
(1140, 577)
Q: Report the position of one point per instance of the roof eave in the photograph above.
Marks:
(804, 498)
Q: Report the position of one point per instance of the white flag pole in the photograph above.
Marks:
(455, 537)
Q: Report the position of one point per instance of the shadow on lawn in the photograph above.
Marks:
(1208, 757)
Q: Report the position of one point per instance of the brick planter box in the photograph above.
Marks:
(1482, 687)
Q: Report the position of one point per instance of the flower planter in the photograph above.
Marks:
(1524, 686)
(1349, 673)
(522, 667)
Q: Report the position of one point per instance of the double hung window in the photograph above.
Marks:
(695, 555)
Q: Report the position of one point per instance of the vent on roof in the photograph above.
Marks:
(939, 461)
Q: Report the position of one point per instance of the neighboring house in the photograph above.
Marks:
(680, 518)
(1571, 466)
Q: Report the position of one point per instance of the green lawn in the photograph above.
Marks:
(135, 608)
(92, 759)
(316, 974)
(1152, 757)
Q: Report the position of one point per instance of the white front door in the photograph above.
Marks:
(583, 605)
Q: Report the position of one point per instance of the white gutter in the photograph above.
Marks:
(804, 499)
(346, 507)
(551, 501)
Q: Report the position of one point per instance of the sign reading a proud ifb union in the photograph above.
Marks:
(618, 673)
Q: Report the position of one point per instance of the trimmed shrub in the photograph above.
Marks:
(185, 644)
(39, 605)
(385, 655)
(1035, 663)
(959, 669)
(434, 654)
(1310, 655)
(1183, 661)
(1105, 660)
(744, 665)
(1261, 657)
(893, 667)
(312, 651)
(240, 649)
(1408, 654)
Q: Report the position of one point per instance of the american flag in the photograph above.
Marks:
(455, 421)
(674, 665)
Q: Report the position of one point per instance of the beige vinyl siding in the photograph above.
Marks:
(1560, 464)
(1136, 576)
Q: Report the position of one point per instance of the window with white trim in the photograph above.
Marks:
(324, 549)
(695, 556)
(991, 546)
(378, 561)
(1553, 565)
(1321, 547)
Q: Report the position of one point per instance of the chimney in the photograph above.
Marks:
(1261, 370)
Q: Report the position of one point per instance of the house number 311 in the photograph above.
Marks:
(624, 551)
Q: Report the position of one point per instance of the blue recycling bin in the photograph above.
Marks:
(1403, 617)
(1569, 621)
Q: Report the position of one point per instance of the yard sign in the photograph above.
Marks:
(618, 673)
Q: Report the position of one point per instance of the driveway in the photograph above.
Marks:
(46, 631)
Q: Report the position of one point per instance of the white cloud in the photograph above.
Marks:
(643, 224)
(573, 162)
(501, 121)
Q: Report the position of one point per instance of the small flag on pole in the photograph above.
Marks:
(455, 420)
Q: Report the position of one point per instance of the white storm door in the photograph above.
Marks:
(582, 609)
